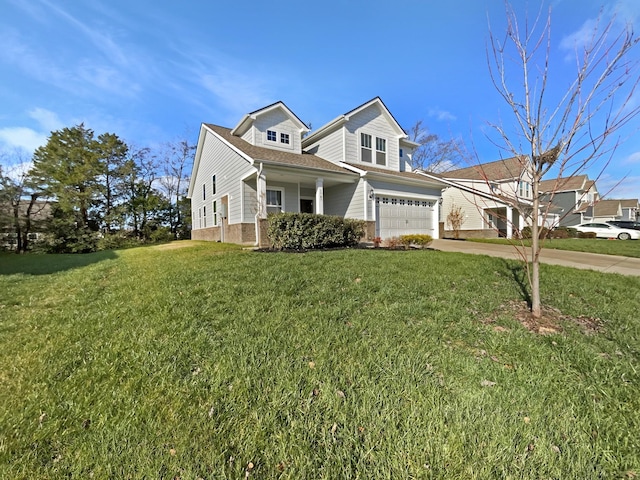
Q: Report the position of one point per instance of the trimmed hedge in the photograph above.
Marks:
(305, 231)
(544, 232)
(420, 240)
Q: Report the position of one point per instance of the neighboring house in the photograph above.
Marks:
(39, 214)
(575, 196)
(355, 166)
(630, 209)
(485, 193)
(605, 210)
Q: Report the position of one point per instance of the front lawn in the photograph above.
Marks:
(625, 248)
(200, 362)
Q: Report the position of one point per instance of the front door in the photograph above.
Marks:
(306, 205)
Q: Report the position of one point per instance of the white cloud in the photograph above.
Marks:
(441, 115)
(28, 139)
(47, 119)
(22, 137)
(627, 187)
(577, 40)
(235, 91)
(633, 158)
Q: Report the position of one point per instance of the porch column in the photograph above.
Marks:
(509, 222)
(261, 193)
(319, 196)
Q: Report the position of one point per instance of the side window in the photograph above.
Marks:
(213, 187)
(204, 191)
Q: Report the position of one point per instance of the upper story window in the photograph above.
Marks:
(271, 136)
(284, 138)
(213, 185)
(365, 148)
(524, 189)
(381, 151)
(401, 153)
(204, 191)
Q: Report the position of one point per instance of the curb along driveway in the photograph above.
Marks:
(565, 258)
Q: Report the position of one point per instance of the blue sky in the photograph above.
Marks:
(152, 71)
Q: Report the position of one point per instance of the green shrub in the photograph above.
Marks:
(117, 241)
(543, 232)
(420, 240)
(304, 231)
(563, 232)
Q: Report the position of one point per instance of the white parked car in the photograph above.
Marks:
(607, 230)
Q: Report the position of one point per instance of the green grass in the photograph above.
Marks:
(195, 362)
(625, 248)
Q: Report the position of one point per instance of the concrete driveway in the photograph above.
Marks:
(587, 261)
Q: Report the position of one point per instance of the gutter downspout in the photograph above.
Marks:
(259, 209)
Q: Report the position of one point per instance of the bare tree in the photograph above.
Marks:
(176, 162)
(19, 203)
(455, 219)
(434, 154)
(561, 135)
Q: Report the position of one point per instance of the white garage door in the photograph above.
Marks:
(403, 216)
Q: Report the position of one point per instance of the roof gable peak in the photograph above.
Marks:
(246, 121)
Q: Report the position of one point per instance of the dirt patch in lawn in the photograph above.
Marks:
(550, 322)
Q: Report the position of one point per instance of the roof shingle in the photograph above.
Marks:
(505, 169)
(291, 159)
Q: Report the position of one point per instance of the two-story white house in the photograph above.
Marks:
(355, 166)
(493, 198)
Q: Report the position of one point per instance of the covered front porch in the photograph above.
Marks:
(506, 220)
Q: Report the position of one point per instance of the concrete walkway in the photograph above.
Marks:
(587, 261)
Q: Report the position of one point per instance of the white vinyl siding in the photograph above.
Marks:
(371, 121)
(220, 160)
(329, 147)
(345, 200)
(278, 122)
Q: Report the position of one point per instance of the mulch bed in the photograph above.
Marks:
(550, 322)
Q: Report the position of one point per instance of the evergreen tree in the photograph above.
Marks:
(68, 167)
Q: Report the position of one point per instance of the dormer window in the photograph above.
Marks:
(284, 138)
(271, 136)
(524, 189)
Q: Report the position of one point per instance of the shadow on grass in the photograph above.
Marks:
(519, 275)
(34, 264)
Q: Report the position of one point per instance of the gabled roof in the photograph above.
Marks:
(566, 184)
(432, 178)
(606, 208)
(246, 121)
(252, 153)
(344, 118)
(506, 169)
(275, 156)
(629, 203)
